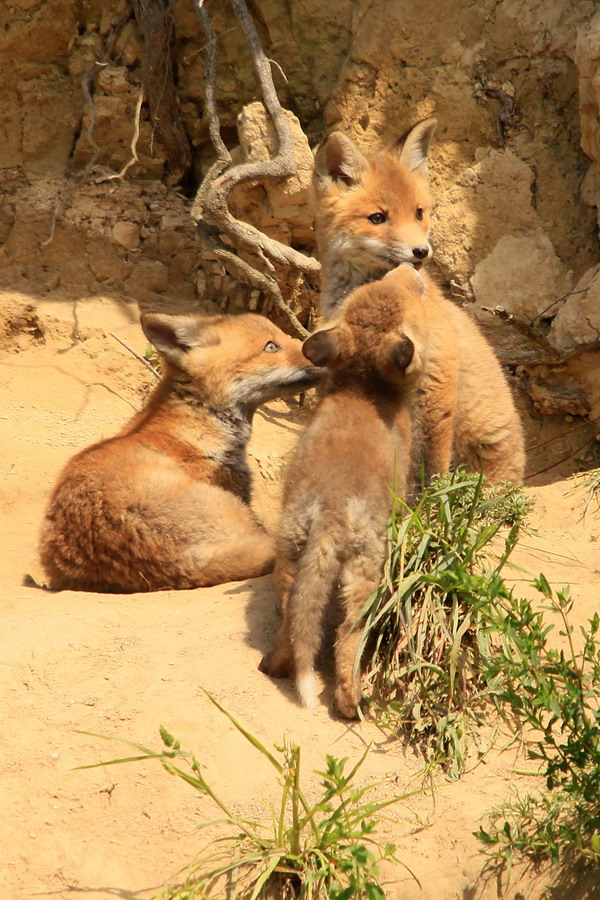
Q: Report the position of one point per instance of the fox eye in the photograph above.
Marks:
(378, 218)
(271, 347)
(419, 213)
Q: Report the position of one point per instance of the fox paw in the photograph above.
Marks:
(346, 703)
(275, 665)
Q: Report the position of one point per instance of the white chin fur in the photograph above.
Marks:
(306, 684)
(367, 252)
(259, 388)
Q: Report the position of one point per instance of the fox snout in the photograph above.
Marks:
(410, 249)
(276, 381)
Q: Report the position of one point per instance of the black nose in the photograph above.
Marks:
(420, 252)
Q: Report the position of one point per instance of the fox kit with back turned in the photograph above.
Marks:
(352, 457)
(165, 503)
(373, 214)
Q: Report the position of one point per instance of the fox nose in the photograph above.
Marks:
(420, 252)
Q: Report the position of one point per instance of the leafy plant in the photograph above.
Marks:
(312, 851)
(424, 639)
(554, 693)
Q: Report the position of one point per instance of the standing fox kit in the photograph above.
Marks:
(373, 214)
(338, 492)
(165, 503)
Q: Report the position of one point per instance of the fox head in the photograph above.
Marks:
(378, 334)
(374, 212)
(230, 361)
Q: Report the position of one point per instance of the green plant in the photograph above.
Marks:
(312, 850)
(554, 694)
(424, 639)
(589, 484)
(151, 356)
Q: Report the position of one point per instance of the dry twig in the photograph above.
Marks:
(136, 134)
(155, 22)
(137, 355)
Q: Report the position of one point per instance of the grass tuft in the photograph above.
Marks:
(323, 850)
(425, 642)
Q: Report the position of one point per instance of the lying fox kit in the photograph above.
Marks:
(338, 493)
(373, 214)
(165, 503)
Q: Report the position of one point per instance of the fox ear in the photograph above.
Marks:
(173, 335)
(401, 354)
(414, 146)
(323, 348)
(339, 158)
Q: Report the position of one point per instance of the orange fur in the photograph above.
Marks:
(338, 493)
(469, 412)
(165, 503)
(350, 189)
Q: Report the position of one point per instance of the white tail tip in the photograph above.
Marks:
(306, 683)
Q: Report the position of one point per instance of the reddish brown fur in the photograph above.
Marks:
(338, 492)
(165, 503)
(349, 189)
(385, 186)
(470, 414)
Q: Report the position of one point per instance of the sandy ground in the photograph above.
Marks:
(121, 665)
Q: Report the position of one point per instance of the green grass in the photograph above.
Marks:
(553, 694)
(588, 483)
(425, 641)
(312, 850)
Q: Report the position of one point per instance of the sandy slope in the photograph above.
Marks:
(120, 665)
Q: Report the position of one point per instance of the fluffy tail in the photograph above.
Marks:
(313, 582)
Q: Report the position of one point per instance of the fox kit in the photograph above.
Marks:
(351, 458)
(165, 503)
(373, 214)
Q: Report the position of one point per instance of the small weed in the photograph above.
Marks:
(589, 484)
(555, 695)
(151, 356)
(326, 850)
(424, 640)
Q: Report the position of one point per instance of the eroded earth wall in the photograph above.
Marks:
(515, 85)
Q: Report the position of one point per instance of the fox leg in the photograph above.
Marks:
(357, 586)
(280, 661)
(503, 460)
(283, 576)
(439, 426)
(250, 556)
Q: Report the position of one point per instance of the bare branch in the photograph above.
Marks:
(210, 103)
(137, 355)
(210, 204)
(210, 209)
(563, 459)
(553, 356)
(136, 134)
(248, 274)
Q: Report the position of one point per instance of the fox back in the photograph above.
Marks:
(165, 503)
(371, 213)
(351, 458)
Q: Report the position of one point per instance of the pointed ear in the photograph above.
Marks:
(323, 348)
(339, 158)
(173, 335)
(414, 146)
(401, 353)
